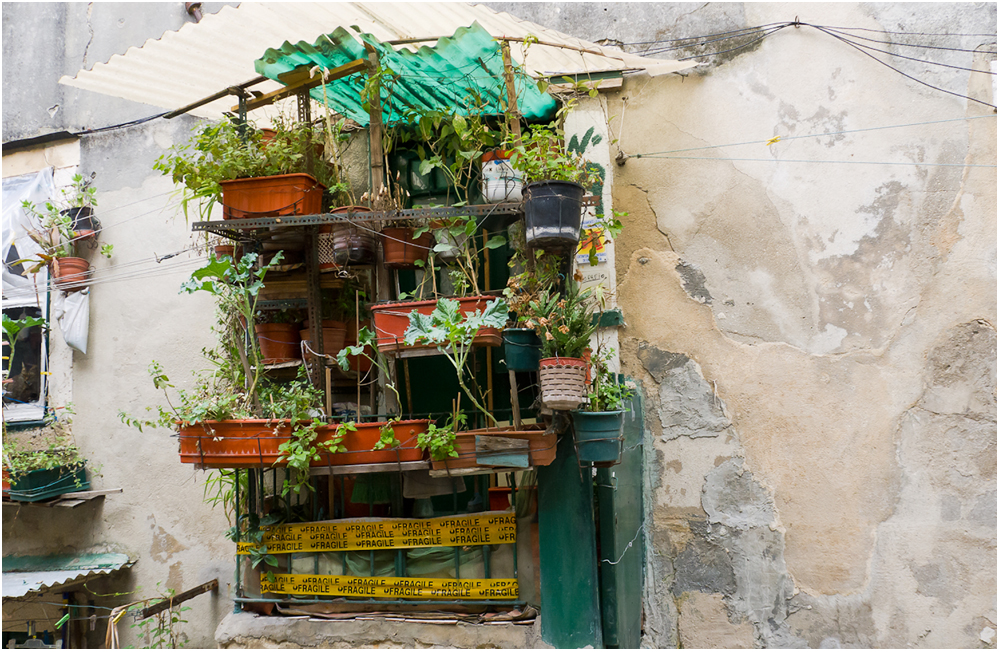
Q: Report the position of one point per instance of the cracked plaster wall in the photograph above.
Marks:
(817, 342)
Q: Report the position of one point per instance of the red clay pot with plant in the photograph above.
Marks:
(250, 443)
(70, 273)
(392, 319)
(283, 194)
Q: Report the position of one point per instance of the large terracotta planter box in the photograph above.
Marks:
(283, 194)
(542, 447)
(253, 443)
(392, 319)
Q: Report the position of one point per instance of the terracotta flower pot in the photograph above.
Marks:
(251, 443)
(333, 339)
(392, 319)
(70, 274)
(563, 382)
(278, 342)
(401, 251)
(283, 194)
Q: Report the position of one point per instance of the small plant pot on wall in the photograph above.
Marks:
(521, 349)
(598, 435)
(563, 382)
(84, 223)
(284, 194)
(70, 274)
(359, 443)
(392, 319)
(344, 243)
(552, 213)
(42, 484)
(400, 250)
(278, 342)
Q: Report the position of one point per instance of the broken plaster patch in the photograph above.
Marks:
(733, 498)
(693, 281)
(688, 405)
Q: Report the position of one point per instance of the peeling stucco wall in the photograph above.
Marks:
(817, 341)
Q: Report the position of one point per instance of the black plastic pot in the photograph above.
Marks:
(552, 213)
(84, 222)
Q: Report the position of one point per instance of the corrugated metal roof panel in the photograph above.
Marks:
(461, 73)
(24, 575)
(198, 60)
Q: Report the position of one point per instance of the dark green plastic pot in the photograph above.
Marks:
(42, 484)
(521, 349)
(598, 435)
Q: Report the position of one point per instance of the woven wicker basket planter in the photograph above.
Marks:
(563, 382)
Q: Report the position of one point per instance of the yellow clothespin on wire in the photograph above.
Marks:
(774, 140)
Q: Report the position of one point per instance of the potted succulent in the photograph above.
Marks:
(598, 426)
(530, 273)
(251, 174)
(564, 325)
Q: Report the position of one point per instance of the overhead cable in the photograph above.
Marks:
(860, 49)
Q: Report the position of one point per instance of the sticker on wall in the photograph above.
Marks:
(484, 528)
(592, 248)
(391, 587)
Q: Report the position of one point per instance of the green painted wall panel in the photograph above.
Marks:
(567, 544)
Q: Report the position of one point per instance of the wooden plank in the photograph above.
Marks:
(350, 469)
(502, 451)
(513, 114)
(177, 599)
(303, 84)
(377, 160)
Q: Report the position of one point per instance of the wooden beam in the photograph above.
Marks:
(513, 115)
(232, 90)
(309, 82)
(177, 599)
(375, 128)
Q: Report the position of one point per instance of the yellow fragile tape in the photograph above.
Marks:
(391, 587)
(484, 528)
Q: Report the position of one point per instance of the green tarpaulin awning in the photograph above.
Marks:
(460, 72)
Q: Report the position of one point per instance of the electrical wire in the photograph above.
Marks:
(770, 160)
(882, 31)
(766, 31)
(847, 38)
(740, 47)
(819, 135)
(911, 77)
(694, 38)
(907, 45)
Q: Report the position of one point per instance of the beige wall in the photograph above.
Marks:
(817, 342)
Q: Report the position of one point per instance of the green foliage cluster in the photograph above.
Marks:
(56, 237)
(440, 442)
(452, 332)
(222, 151)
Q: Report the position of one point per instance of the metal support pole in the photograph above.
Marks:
(314, 299)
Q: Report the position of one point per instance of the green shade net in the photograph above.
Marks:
(462, 74)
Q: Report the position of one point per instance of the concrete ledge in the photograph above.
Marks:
(250, 631)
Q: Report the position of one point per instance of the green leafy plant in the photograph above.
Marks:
(605, 393)
(12, 328)
(221, 151)
(440, 442)
(564, 323)
(459, 236)
(160, 631)
(387, 437)
(367, 341)
(452, 332)
(541, 155)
